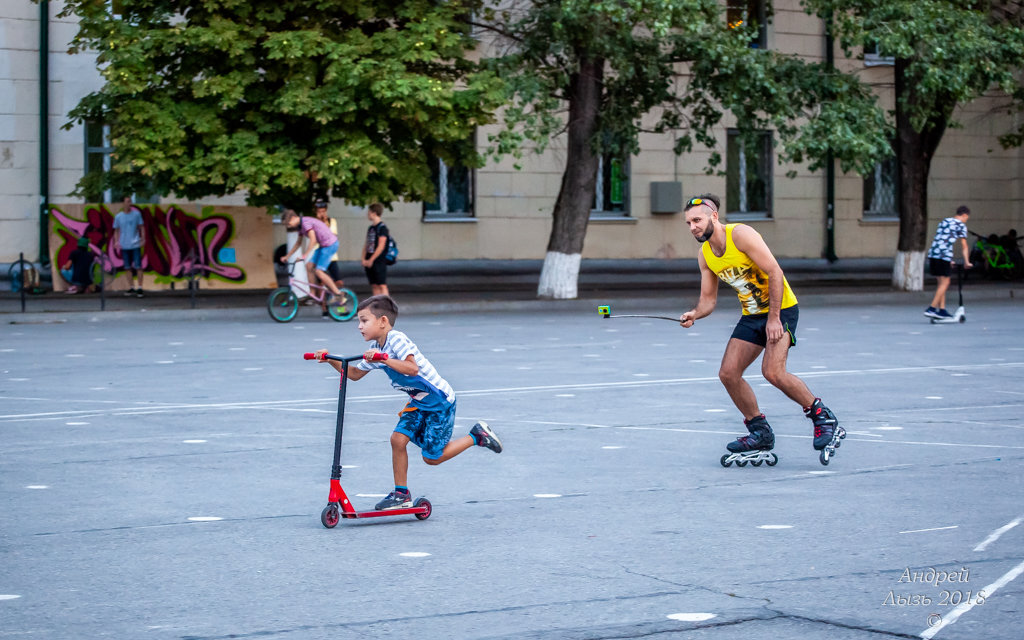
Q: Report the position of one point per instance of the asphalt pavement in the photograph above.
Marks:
(162, 473)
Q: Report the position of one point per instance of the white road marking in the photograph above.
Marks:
(887, 428)
(963, 608)
(204, 519)
(611, 447)
(74, 355)
(237, 349)
(997, 533)
(820, 473)
(76, 424)
(193, 441)
(933, 397)
(775, 526)
(547, 495)
(714, 411)
(8, 596)
(697, 361)
(414, 554)
(371, 495)
(955, 526)
(565, 395)
(253, 369)
(690, 617)
(250, 335)
(641, 375)
(37, 486)
(165, 361)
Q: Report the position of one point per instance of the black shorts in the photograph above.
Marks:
(752, 328)
(940, 267)
(377, 273)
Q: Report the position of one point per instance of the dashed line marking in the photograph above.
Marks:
(955, 526)
(997, 533)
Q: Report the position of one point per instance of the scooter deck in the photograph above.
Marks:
(377, 513)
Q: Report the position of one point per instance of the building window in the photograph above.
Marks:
(741, 13)
(882, 190)
(453, 187)
(873, 56)
(97, 159)
(749, 169)
(611, 191)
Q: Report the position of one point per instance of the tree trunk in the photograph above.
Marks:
(915, 150)
(560, 274)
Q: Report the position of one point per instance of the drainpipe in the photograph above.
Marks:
(44, 131)
(830, 165)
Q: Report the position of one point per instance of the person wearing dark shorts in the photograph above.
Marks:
(736, 254)
(374, 263)
(940, 259)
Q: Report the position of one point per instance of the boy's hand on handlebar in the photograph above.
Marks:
(319, 354)
(687, 319)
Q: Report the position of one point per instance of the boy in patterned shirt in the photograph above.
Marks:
(428, 418)
(940, 258)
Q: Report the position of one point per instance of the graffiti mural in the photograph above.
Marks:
(178, 244)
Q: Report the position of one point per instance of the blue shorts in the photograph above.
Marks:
(752, 328)
(132, 258)
(322, 256)
(428, 430)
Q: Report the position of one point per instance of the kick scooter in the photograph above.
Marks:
(960, 315)
(338, 504)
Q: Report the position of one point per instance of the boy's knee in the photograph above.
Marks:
(729, 376)
(774, 375)
(399, 440)
(431, 461)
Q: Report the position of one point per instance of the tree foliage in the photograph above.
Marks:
(283, 99)
(681, 61)
(947, 53)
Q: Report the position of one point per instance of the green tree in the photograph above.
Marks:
(947, 53)
(603, 71)
(286, 100)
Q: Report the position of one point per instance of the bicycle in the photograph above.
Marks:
(992, 258)
(283, 304)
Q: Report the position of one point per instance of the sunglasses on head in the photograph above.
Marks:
(701, 201)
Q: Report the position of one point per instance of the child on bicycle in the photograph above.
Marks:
(428, 418)
(322, 245)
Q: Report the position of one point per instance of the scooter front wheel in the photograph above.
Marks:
(329, 516)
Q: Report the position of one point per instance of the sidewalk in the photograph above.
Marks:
(423, 286)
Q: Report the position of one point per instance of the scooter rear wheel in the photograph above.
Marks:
(329, 516)
(423, 502)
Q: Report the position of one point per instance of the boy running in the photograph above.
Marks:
(738, 255)
(428, 418)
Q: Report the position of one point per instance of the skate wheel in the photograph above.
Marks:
(741, 463)
(756, 463)
(423, 502)
(823, 458)
(725, 460)
(329, 516)
(774, 460)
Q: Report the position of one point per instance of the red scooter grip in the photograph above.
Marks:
(309, 356)
(379, 356)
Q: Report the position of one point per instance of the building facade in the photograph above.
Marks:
(499, 212)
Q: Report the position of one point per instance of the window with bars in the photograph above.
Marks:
(882, 190)
(611, 191)
(749, 170)
(97, 159)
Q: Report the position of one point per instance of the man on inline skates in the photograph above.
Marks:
(738, 255)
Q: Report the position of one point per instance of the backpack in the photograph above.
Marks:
(391, 251)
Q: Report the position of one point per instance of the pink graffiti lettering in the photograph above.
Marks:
(177, 244)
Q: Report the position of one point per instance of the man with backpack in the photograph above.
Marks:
(375, 256)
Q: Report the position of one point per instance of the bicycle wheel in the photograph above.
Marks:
(343, 307)
(15, 274)
(282, 305)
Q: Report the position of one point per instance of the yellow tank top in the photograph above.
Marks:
(736, 269)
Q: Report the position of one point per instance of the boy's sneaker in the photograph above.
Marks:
(761, 437)
(932, 312)
(139, 294)
(945, 314)
(129, 293)
(394, 500)
(825, 423)
(485, 436)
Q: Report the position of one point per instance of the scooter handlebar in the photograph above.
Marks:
(377, 357)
